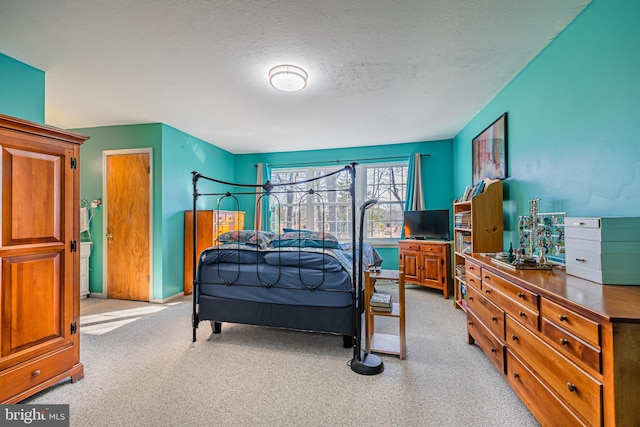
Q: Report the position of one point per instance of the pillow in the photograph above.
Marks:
(258, 238)
(306, 239)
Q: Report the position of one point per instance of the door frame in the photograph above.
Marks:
(105, 211)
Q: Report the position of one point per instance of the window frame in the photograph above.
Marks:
(360, 194)
(361, 197)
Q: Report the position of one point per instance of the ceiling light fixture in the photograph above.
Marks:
(288, 78)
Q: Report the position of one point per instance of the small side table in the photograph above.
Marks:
(385, 343)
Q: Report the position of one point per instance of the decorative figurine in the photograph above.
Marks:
(511, 257)
(543, 256)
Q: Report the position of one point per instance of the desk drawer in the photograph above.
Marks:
(581, 391)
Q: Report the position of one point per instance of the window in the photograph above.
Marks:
(331, 210)
(388, 184)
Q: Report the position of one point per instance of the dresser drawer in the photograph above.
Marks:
(490, 345)
(571, 346)
(32, 373)
(571, 321)
(525, 315)
(425, 247)
(581, 391)
(523, 296)
(491, 315)
(548, 409)
(409, 246)
(472, 268)
(472, 280)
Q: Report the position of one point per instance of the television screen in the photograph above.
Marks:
(431, 224)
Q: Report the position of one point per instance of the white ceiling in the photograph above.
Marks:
(380, 72)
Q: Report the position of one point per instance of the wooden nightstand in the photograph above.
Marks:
(385, 343)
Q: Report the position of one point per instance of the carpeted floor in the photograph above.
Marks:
(147, 372)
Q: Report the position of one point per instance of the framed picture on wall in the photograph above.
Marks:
(489, 151)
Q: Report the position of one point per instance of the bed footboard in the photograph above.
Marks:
(334, 320)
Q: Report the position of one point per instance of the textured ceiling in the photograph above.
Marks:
(380, 72)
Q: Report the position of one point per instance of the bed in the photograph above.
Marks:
(295, 279)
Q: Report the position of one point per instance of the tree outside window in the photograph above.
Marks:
(329, 207)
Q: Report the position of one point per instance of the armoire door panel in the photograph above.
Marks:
(32, 196)
(33, 303)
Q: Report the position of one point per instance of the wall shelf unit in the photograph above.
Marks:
(478, 227)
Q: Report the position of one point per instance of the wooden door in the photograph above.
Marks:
(411, 266)
(431, 263)
(128, 221)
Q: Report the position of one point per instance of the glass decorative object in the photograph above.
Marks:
(542, 230)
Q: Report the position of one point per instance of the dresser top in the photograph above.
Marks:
(619, 303)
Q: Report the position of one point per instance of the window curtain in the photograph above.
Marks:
(415, 196)
(261, 217)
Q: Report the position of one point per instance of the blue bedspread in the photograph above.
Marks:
(286, 275)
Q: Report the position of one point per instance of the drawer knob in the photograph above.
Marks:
(562, 318)
(470, 298)
(470, 322)
(516, 375)
(487, 277)
(494, 318)
(493, 349)
(35, 373)
(522, 314)
(488, 290)
(581, 260)
(571, 387)
(514, 337)
(520, 294)
(564, 341)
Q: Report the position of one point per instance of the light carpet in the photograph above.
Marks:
(147, 372)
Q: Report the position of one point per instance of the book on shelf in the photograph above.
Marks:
(381, 309)
(380, 300)
(478, 188)
(463, 219)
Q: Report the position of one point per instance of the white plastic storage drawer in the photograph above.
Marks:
(604, 250)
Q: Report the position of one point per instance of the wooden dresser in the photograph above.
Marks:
(426, 263)
(569, 348)
(211, 224)
(40, 256)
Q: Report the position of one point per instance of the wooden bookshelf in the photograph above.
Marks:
(481, 231)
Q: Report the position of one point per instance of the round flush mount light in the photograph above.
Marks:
(288, 78)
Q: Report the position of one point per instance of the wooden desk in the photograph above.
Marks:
(385, 343)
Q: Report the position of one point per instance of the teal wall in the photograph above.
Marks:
(119, 138)
(182, 154)
(21, 90)
(175, 155)
(436, 172)
(574, 121)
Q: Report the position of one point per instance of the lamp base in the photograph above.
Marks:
(370, 364)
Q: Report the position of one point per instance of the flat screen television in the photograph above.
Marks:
(427, 225)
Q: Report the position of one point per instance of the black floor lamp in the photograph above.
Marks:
(363, 363)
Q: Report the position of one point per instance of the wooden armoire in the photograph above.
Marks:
(39, 258)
